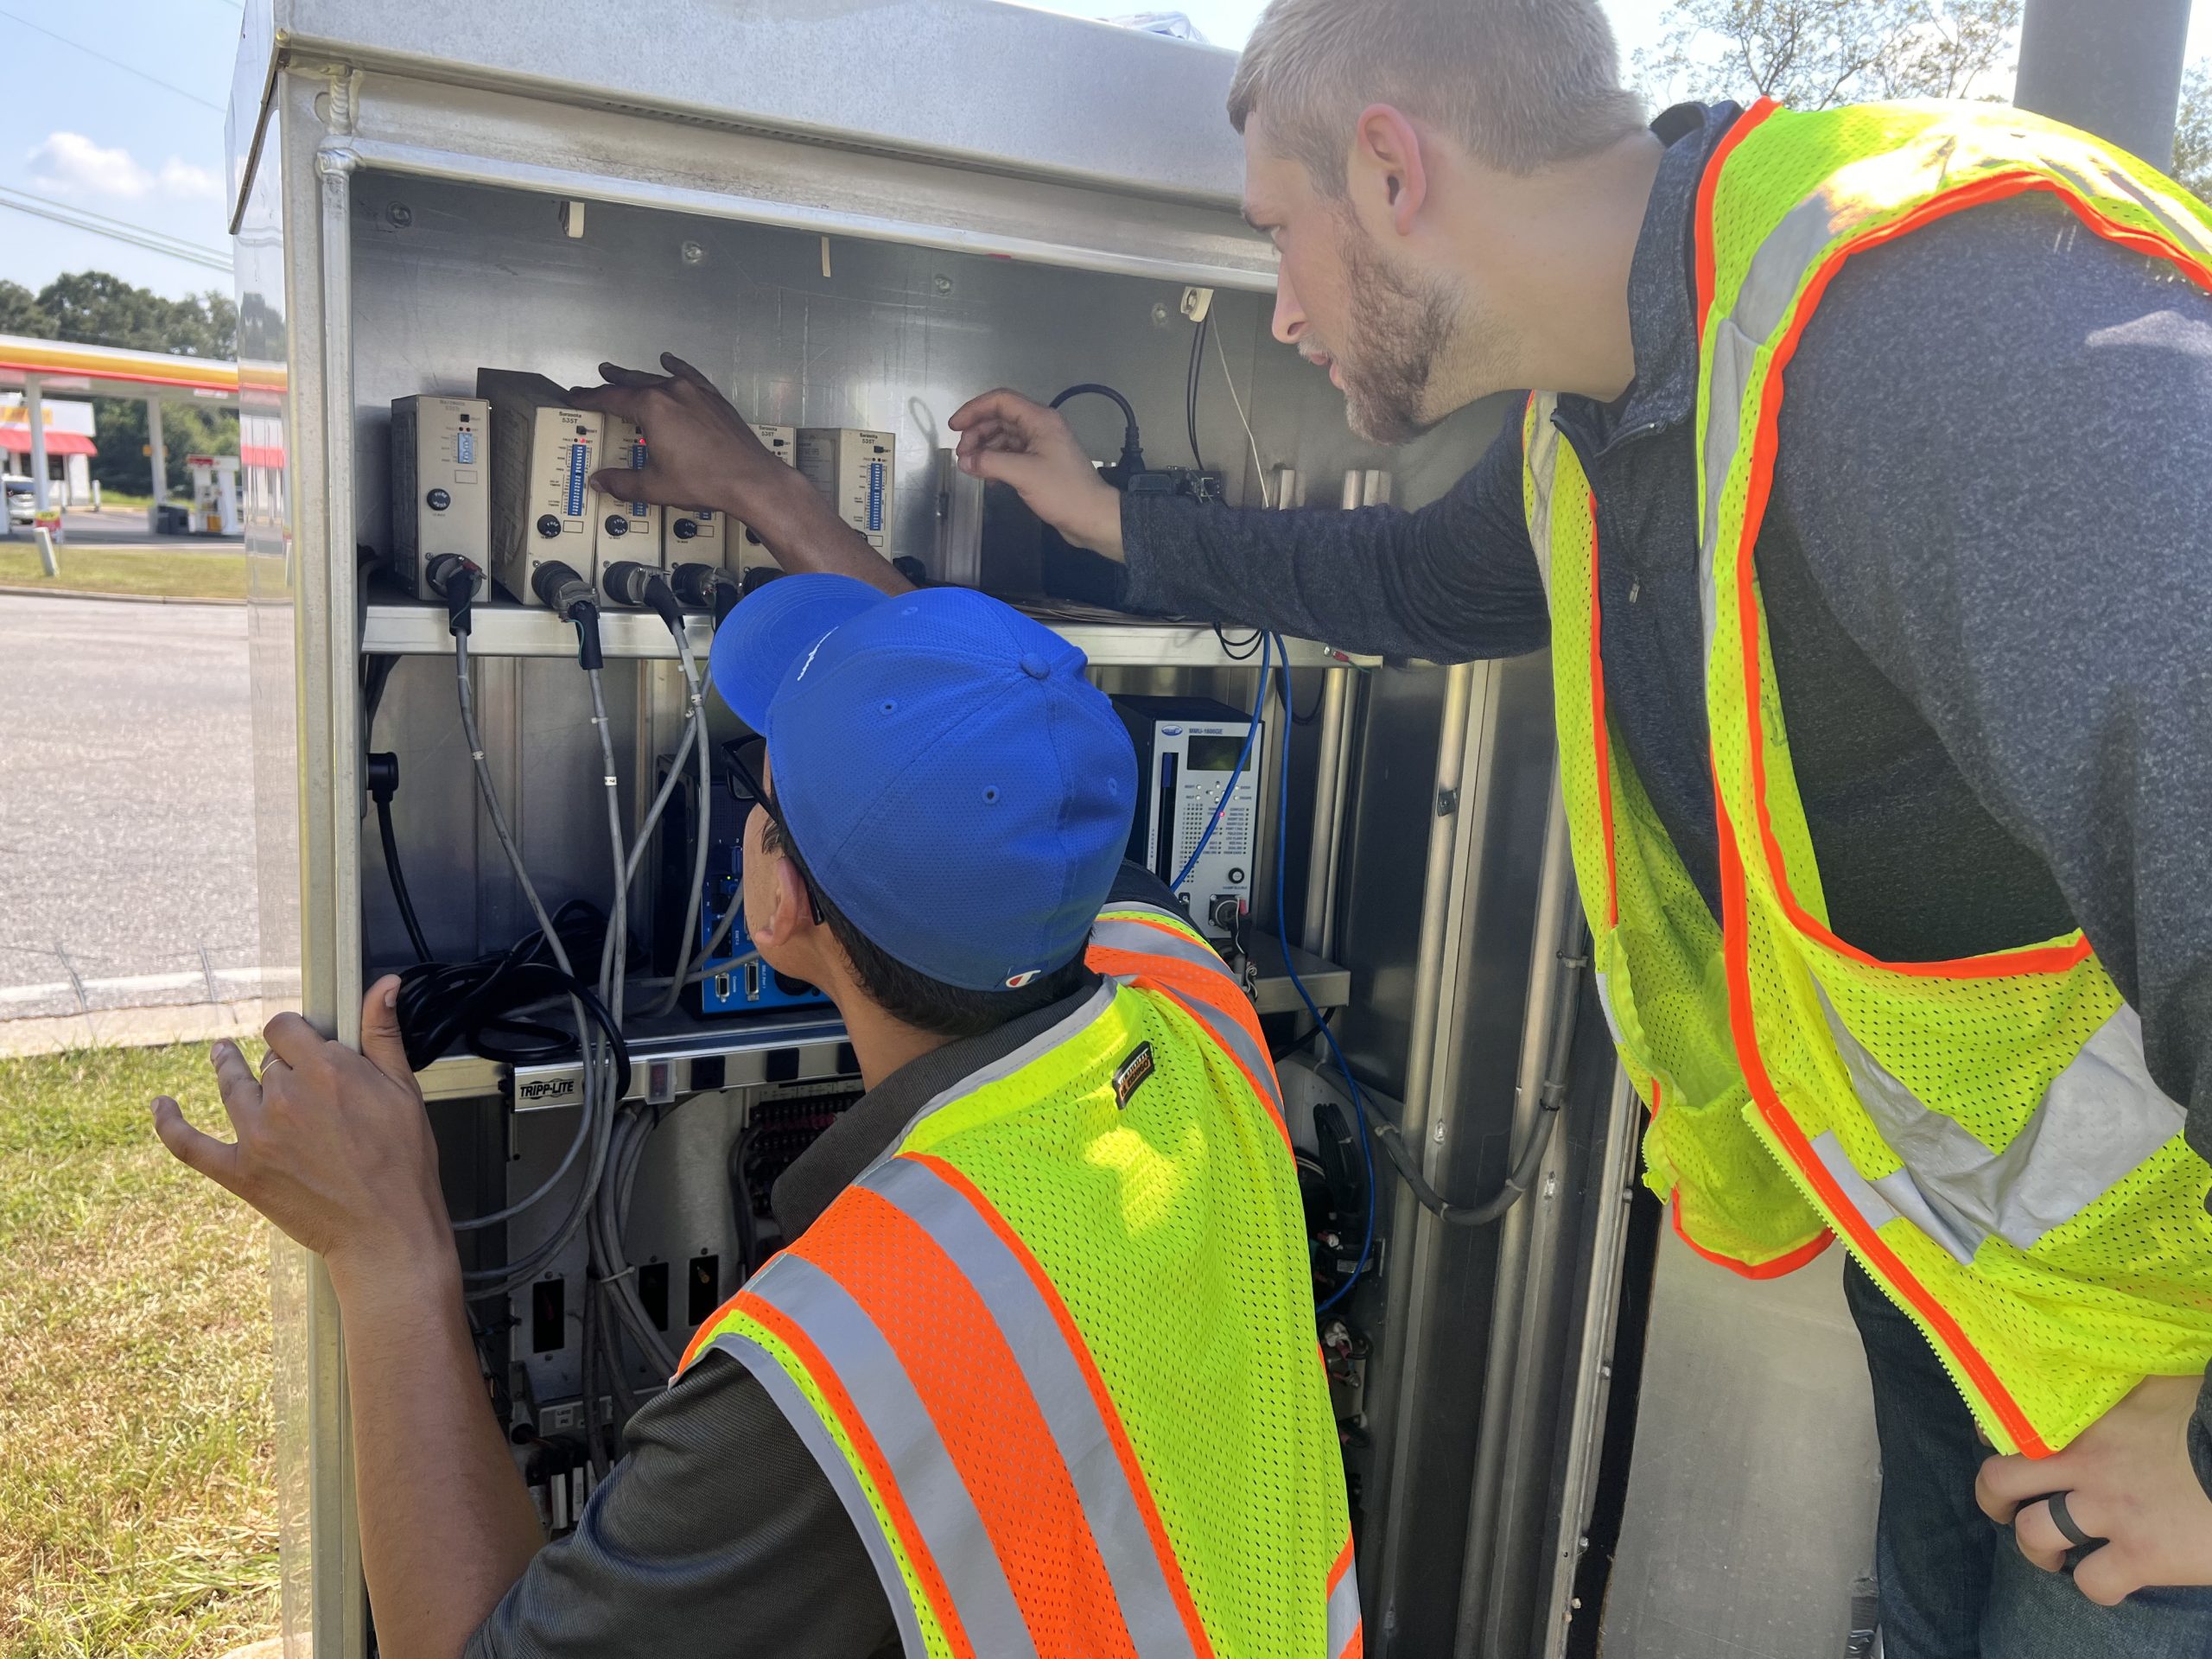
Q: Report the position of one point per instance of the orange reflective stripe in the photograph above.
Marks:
(1132, 1472)
(958, 1361)
(824, 1377)
(1736, 935)
(1780, 1266)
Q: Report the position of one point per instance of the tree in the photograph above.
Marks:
(1812, 53)
(91, 307)
(2193, 131)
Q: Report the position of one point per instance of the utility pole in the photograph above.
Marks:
(35, 413)
(160, 460)
(2111, 67)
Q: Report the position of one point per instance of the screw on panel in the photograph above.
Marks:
(400, 215)
(693, 254)
(1161, 314)
(941, 283)
(1437, 1135)
(1448, 801)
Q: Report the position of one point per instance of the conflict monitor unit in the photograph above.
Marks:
(854, 471)
(544, 454)
(1187, 749)
(441, 502)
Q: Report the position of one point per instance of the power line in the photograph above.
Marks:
(119, 224)
(153, 241)
(117, 63)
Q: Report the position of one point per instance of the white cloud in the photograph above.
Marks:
(181, 178)
(72, 164)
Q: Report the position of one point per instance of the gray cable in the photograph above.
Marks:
(498, 814)
(504, 1280)
(702, 815)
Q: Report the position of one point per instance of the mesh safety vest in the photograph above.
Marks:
(1055, 1348)
(1983, 1134)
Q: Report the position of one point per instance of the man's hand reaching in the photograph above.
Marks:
(700, 452)
(333, 1146)
(1006, 438)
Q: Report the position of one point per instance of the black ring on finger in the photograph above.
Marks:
(2068, 1526)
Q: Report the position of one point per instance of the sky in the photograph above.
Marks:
(116, 108)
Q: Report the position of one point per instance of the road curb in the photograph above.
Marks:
(127, 598)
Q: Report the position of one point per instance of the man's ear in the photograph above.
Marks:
(1386, 152)
(790, 911)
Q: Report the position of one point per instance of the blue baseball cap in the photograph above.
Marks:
(956, 785)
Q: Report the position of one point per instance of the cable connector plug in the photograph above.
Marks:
(457, 581)
(628, 582)
(561, 591)
(707, 587)
(382, 776)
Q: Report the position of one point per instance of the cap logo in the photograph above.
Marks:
(809, 663)
(1019, 980)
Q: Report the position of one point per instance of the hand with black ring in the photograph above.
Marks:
(2127, 1480)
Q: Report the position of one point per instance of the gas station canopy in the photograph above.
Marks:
(106, 371)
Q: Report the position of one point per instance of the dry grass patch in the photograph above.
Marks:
(137, 1504)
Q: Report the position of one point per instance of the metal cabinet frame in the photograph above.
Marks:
(1062, 143)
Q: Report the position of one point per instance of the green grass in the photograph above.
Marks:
(138, 1501)
(125, 570)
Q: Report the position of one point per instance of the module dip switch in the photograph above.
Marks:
(441, 502)
(544, 454)
(625, 528)
(747, 551)
(854, 471)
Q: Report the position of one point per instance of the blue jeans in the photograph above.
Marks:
(1953, 1586)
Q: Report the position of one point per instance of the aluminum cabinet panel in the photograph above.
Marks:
(1753, 1487)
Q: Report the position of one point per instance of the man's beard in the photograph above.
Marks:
(1399, 375)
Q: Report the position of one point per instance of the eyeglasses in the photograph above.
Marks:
(748, 760)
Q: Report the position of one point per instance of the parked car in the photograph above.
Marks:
(22, 501)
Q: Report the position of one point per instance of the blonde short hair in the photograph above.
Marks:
(1520, 83)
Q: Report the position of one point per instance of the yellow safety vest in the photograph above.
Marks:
(1983, 1134)
(1055, 1348)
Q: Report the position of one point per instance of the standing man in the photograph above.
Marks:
(1884, 713)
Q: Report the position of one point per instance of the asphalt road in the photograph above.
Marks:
(126, 805)
(126, 527)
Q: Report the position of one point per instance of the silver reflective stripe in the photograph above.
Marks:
(1141, 940)
(814, 1433)
(2099, 1119)
(1344, 1613)
(1057, 1382)
(927, 1478)
(1730, 382)
(1138, 939)
(1605, 1002)
(1541, 458)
